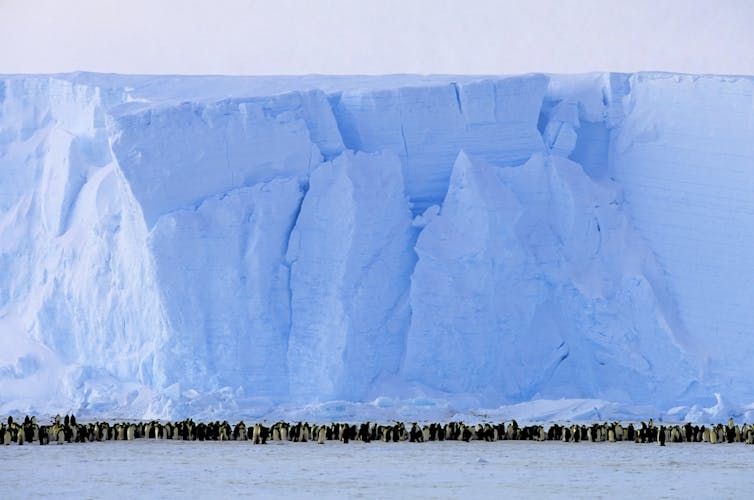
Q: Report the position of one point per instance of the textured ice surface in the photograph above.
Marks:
(337, 245)
(447, 469)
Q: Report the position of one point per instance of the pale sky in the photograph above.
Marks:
(376, 36)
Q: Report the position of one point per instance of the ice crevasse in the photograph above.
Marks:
(175, 246)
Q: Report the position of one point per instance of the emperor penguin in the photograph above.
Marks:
(578, 433)
(345, 433)
(44, 437)
(510, 432)
(478, 433)
(241, 430)
(413, 435)
(618, 432)
(399, 433)
(364, 432)
(542, 433)
(566, 434)
(732, 433)
(688, 432)
(675, 434)
(321, 435)
(466, 434)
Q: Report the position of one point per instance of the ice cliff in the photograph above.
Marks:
(182, 245)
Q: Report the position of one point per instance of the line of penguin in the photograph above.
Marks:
(67, 430)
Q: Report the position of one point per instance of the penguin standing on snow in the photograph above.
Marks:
(239, 433)
(321, 435)
(415, 435)
(364, 433)
(44, 437)
(347, 433)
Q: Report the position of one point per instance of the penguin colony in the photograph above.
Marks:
(67, 430)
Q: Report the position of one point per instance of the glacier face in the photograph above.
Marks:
(172, 244)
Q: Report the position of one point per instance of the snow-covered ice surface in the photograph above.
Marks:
(503, 469)
(566, 246)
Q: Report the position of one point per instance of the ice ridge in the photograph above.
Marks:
(177, 245)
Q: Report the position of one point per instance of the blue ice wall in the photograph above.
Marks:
(168, 243)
